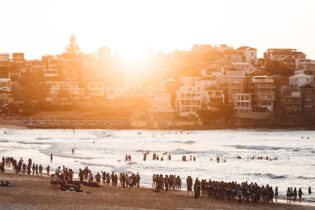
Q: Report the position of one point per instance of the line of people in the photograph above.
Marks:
(292, 194)
(232, 190)
(166, 182)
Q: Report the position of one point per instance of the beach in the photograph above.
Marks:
(33, 192)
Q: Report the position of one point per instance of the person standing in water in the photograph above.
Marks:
(51, 157)
(276, 194)
(300, 193)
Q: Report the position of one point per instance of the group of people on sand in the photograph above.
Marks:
(86, 177)
(250, 192)
(20, 167)
(166, 182)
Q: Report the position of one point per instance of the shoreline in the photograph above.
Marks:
(34, 192)
(95, 124)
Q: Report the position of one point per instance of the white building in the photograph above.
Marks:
(188, 101)
(300, 79)
(242, 102)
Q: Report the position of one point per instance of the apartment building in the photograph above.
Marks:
(263, 92)
(188, 101)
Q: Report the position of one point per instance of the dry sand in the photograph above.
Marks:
(33, 192)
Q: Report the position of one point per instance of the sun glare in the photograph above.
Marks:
(134, 54)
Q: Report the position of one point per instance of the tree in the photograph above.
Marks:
(277, 68)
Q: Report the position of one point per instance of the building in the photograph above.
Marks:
(291, 57)
(64, 90)
(242, 102)
(95, 89)
(188, 101)
(263, 93)
(18, 58)
(232, 83)
(249, 54)
(115, 93)
(300, 79)
(292, 101)
(5, 99)
(308, 97)
(5, 85)
(160, 100)
(212, 98)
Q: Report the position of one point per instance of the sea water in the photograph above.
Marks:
(105, 150)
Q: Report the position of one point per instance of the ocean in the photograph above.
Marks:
(292, 153)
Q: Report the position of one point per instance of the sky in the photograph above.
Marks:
(41, 27)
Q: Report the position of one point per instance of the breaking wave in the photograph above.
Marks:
(271, 176)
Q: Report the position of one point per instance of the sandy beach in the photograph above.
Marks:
(33, 192)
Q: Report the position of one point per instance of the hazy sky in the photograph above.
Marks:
(39, 27)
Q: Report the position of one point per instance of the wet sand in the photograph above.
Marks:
(33, 192)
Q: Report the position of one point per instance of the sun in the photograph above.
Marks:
(135, 54)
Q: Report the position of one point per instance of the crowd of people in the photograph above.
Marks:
(63, 179)
(251, 192)
(166, 182)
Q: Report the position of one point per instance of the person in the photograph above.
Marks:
(189, 184)
(288, 194)
(98, 178)
(276, 194)
(57, 171)
(138, 180)
(300, 194)
(309, 190)
(81, 175)
(40, 168)
(72, 150)
(294, 194)
(239, 194)
(53, 181)
(51, 157)
(197, 188)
